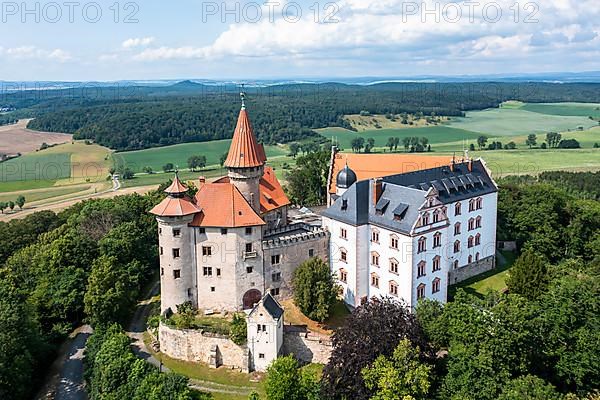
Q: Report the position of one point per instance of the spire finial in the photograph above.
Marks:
(243, 97)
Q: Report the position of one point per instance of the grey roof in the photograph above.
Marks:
(345, 178)
(272, 306)
(452, 186)
(404, 194)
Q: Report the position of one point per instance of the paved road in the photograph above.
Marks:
(70, 386)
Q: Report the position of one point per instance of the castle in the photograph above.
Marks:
(396, 225)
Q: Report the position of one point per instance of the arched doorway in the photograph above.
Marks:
(251, 297)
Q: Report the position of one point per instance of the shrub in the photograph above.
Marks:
(238, 330)
(315, 291)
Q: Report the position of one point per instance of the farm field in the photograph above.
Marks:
(18, 139)
(368, 122)
(32, 196)
(178, 155)
(580, 109)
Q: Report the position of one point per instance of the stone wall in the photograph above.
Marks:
(198, 346)
(307, 347)
(470, 270)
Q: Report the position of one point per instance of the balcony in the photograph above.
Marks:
(249, 254)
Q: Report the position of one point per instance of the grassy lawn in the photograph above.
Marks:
(15, 186)
(576, 109)
(492, 280)
(178, 154)
(43, 194)
(294, 316)
(42, 165)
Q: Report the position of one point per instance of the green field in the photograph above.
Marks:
(576, 109)
(37, 195)
(435, 134)
(37, 166)
(14, 186)
(178, 155)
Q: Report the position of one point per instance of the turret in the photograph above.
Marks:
(246, 159)
(175, 238)
(344, 179)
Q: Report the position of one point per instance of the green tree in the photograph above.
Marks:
(511, 145)
(390, 143)
(529, 387)
(147, 170)
(238, 330)
(20, 201)
(431, 317)
(396, 143)
(400, 377)
(471, 147)
(481, 141)
(11, 205)
(406, 143)
(3, 206)
(315, 291)
(357, 144)
(168, 167)
(308, 180)
(294, 149)
(196, 162)
(529, 275)
(283, 380)
(223, 158)
(531, 140)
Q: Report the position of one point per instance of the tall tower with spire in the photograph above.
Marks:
(246, 159)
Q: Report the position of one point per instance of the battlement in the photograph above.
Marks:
(292, 234)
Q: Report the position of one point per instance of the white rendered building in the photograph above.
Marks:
(410, 235)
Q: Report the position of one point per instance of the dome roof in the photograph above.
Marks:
(345, 178)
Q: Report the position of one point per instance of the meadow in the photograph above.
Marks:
(178, 155)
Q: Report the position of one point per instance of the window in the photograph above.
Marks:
(393, 266)
(218, 271)
(394, 242)
(471, 224)
(201, 230)
(375, 236)
(479, 203)
(249, 270)
(435, 285)
(477, 239)
(375, 280)
(477, 256)
(436, 263)
(420, 291)
(457, 228)
(456, 246)
(223, 231)
(176, 273)
(207, 271)
(457, 208)
(455, 264)
(478, 222)
(436, 216)
(375, 259)
(311, 252)
(344, 204)
(175, 253)
(160, 231)
(275, 259)
(470, 242)
(343, 275)
(343, 256)
(425, 219)
(161, 250)
(261, 355)
(275, 292)
(393, 288)
(213, 289)
(472, 205)
(421, 269)
(276, 276)
(248, 247)
(437, 240)
(206, 251)
(470, 259)
(162, 271)
(422, 245)
(176, 232)
(343, 233)
(248, 231)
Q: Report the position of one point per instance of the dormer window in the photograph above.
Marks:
(344, 204)
(425, 219)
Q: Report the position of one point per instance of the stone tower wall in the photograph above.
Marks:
(247, 181)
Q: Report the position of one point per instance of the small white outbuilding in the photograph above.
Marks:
(265, 332)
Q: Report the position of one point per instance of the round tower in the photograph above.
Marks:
(246, 159)
(344, 179)
(176, 247)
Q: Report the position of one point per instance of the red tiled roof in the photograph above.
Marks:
(223, 206)
(175, 207)
(245, 151)
(176, 186)
(272, 195)
(367, 166)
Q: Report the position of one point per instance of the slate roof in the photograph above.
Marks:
(452, 186)
(404, 194)
(271, 305)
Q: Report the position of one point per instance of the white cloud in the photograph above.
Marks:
(33, 52)
(137, 42)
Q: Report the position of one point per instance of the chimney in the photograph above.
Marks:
(377, 190)
(470, 165)
(202, 180)
(452, 165)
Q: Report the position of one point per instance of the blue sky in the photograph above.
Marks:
(197, 39)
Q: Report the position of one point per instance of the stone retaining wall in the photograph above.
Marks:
(307, 347)
(470, 270)
(198, 346)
